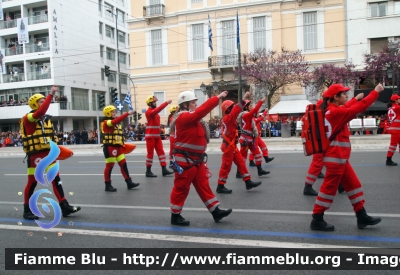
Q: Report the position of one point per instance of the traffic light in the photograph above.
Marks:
(107, 70)
(114, 95)
(139, 116)
(101, 100)
(136, 116)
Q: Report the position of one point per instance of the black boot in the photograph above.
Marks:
(321, 175)
(309, 191)
(261, 172)
(109, 187)
(165, 171)
(149, 174)
(68, 209)
(318, 223)
(390, 162)
(268, 159)
(363, 219)
(219, 214)
(340, 188)
(177, 219)
(130, 184)
(252, 163)
(223, 190)
(252, 184)
(28, 215)
(238, 175)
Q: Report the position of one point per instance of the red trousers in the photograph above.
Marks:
(337, 173)
(394, 142)
(315, 169)
(112, 154)
(151, 144)
(253, 147)
(171, 145)
(227, 158)
(262, 146)
(198, 176)
(32, 161)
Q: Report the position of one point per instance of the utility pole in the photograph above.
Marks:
(97, 115)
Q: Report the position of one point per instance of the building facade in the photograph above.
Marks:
(170, 49)
(68, 44)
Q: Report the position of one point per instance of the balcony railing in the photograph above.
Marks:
(13, 78)
(157, 10)
(224, 60)
(37, 48)
(38, 75)
(13, 51)
(38, 19)
(8, 24)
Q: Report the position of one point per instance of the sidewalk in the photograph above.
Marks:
(276, 144)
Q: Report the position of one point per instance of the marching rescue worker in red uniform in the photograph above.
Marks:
(113, 143)
(191, 138)
(336, 157)
(172, 111)
(314, 171)
(153, 138)
(261, 144)
(229, 146)
(248, 137)
(36, 131)
(394, 128)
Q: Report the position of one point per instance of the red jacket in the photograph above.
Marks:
(394, 118)
(115, 121)
(336, 119)
(153, 121)
(229, 124)
(30, 127)
(246, 120)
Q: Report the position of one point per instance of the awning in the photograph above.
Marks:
(290, 107)
(378, 106)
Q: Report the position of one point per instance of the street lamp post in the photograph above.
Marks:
(207, 89)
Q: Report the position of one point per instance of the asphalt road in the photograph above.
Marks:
(276, 214)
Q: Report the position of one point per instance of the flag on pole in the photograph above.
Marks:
(209, 34)
(128, 101)
(118, 105)
(237, 30)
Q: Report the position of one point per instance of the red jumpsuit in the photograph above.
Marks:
(114, 153)
(336, 158)
(153, 138)
(230, 153)
(246, 137)
(316, 163)
(260, 142)
(171, 137)
(394, 129)
(33, 159)
(190, 138)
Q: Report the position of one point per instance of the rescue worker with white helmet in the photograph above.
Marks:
(230, 152)
(153, 138)
(191, 136)
(36, 131)
(113, 143)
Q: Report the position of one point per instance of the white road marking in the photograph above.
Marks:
(103, 161)
(10, 175)
(236, 210)
(179, 238)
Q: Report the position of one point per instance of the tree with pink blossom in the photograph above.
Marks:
(270, 71)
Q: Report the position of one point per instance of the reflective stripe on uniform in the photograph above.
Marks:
(310, 181)
(394, 128)
(120, 157)
(322, 203)
(311, 176)
(210, 201)
(340, 144)
(152, 127)
(31, 171)
(176, 207)
(246, 175)
(360, 198)
(112, 159)
(152, 135)
(211, 209)
(190, 146)
(336, 160)
(222, 179)
(355, 191)
(325, 196)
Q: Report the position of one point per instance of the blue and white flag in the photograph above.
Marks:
(128, 101)
(209, 34)
(118, 105)
(237, 31)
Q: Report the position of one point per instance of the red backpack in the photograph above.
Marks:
(314, 131)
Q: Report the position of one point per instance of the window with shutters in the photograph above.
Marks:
(201, 97)
(228, 42)
(196, 1)
(156, 47)
(259, 34)
(161, 99)
(396, 7)
(377, 44)
(198, 44)
(378, 9)
(310, 31)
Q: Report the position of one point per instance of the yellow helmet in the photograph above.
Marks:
(108, 109)
(150, 99)
(173, 108)
(33, 101)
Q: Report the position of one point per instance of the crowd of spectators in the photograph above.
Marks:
(12, 102)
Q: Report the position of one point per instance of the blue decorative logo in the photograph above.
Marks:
(45, 173)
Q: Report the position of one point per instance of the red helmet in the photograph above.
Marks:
(226, 105)
(247, 103)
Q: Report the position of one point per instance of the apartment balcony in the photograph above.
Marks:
(39, 75)
(13, 78)
(154, 12)
(38, 19)
(224, 62)
(16, 50)
(8, 24)
(29, 48)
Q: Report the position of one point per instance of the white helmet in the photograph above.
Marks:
(186, 96)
